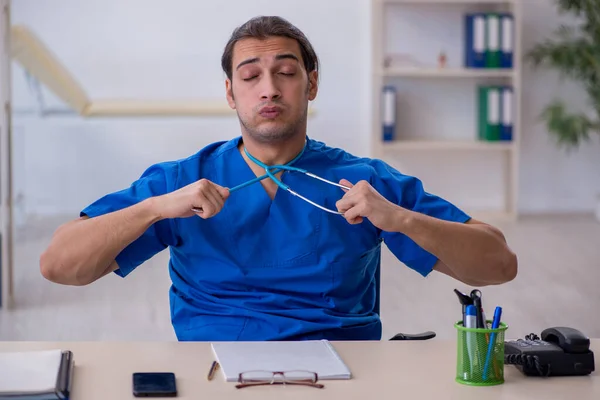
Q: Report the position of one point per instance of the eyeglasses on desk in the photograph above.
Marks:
(259, 378)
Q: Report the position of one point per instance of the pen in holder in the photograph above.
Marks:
(479, 362)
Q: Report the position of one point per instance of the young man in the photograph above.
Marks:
(258, 263)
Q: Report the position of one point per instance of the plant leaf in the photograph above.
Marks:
(573, 6)
(574, 51)
(569, 130)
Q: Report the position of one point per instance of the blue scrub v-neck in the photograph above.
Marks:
(275, 237)
(248, 174)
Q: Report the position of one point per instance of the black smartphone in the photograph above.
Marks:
(154, 384)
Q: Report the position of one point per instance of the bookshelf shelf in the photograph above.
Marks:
(399, 145)
(407, 43)
(476, 2)
(446, 72)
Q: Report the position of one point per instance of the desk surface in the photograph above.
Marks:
(381, 370)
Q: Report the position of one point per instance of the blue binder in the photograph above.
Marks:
(507, 31)
(475, 40)
(506, 113)
(389, 113)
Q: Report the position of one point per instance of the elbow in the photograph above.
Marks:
(51, 268)
(507, 264)
(56, 270)
(503, 270)
(57, 265)
(509, 267)
(47, 266)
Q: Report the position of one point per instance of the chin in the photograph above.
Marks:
(273, 130)
(271, 135)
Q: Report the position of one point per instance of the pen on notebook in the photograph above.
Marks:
(495, 325)
(213, 368)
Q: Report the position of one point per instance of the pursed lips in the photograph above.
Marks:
(270, 112)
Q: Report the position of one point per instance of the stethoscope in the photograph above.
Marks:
(271, 170)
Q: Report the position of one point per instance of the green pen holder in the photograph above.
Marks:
(479, 363)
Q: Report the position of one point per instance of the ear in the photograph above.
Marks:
(313, 85)
(229, 93)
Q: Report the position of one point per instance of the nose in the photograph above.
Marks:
(269, 90)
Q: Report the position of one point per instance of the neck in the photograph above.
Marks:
(276, 153)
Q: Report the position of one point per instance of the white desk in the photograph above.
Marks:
(382, 370)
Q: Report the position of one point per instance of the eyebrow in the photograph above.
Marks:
(277, 57)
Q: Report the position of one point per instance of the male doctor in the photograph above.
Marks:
(259, 263)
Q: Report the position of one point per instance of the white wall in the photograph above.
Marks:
(158, 49)
(165, 50)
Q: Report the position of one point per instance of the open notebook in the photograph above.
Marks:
(36, 375)
(315, 356)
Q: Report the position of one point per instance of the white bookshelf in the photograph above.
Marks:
(447, 78)
(450, 1)
(445, 73)
(446, 145)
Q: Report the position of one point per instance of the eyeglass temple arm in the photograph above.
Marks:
(250, 384)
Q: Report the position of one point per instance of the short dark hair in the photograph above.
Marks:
(262, 27)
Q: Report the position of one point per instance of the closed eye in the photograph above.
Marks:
(249, 79)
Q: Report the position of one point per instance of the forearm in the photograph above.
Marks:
(477, 254)
(81, 251)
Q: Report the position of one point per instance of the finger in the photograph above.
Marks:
(205, 205)
(355, 221)
(209, 189)
(214, 196)
(344, 204)
(353, 215)
(215, 200)
(223, 191)
(346, 183)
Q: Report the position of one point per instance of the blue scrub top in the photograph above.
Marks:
(277, 269)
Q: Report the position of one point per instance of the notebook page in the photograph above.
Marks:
(316, 356)
(30, 371)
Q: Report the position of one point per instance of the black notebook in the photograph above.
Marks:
(36, 375)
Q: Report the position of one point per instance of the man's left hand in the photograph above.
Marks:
(363, 201)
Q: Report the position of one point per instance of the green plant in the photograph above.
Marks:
(575, 52)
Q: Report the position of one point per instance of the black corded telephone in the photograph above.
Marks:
(561, 351)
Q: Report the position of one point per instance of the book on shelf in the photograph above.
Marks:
(488, 40)
(475, 40)
(389, 113)
(506, 113)
(495, 113)
(507, 32)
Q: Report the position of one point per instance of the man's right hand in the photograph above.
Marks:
(202, 194)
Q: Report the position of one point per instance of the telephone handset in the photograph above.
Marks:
(560, 351)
